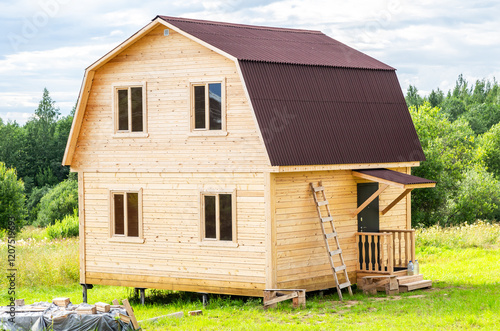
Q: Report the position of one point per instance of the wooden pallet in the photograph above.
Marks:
(387, 283)
(273, 296)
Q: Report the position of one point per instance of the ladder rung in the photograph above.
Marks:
(337, 251)
(339, 268)
(330, 235)
(319, 188)
(326, 219)
(344, 285)
(322, 203)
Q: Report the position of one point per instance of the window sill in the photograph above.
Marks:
(207, 133)
(127, 240)
(216, 243)
(119, 135)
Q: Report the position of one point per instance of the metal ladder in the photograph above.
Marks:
(327, 236)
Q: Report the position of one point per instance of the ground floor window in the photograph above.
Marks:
(126, 214)
(218, 216)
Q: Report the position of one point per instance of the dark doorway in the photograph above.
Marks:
(368, 221)
(368, 218)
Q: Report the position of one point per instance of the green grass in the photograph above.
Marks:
(463, 262)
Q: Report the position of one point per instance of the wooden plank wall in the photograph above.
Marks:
(171, 256)
(168, 65)
(301, 256)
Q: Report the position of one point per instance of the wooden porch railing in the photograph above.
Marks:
(375, 252)
(403, 246)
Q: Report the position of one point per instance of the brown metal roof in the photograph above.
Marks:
(395, 176)
(325, 115)
(317, 101)
(293, 46)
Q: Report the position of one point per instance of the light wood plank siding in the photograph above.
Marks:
(301, 256)
(168, 65)
(171, 256)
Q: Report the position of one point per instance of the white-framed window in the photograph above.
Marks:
(218, 217)
(130, 109)
(126, 215)
(208, 106)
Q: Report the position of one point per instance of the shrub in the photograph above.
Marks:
(12, 198)
(58, 202)
(490, 143)
(33, 202)
(477, 197)
(66, 228)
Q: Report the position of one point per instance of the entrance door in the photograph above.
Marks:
(368, 218)
(368, 221)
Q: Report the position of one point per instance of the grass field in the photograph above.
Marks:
(463, 262)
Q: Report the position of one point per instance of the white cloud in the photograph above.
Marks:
(58, 60)
(21, 99)
(429, 42)
(18, 117)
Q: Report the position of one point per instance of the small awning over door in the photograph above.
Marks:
(388, 178)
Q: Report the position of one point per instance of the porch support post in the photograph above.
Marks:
(370, 199)
(392, 204)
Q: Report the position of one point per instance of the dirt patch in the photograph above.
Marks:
(380, 299)
(351, 303)
(416, 296)
(394, 297)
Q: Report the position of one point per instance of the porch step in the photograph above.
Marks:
(415, 285)
(409, 279)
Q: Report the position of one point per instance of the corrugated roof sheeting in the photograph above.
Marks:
(326, 115)
(276, 45)
(395, 176)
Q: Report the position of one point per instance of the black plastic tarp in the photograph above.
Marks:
(57, 319)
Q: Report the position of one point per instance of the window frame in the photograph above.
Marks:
(124, 237)
(115, 106)
(216, 241)
(206, 131)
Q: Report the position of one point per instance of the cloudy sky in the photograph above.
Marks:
(49, 43)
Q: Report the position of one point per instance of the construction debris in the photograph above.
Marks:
(102, 307)
(196, 312)
(61, 302)
(130, 313)
(62, 315)
(86, 310)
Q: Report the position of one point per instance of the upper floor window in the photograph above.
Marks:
(208, 109)
(130, 108)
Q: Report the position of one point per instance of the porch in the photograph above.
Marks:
(382, 262)
(385, 252)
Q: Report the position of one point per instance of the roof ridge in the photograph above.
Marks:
(332, 42)
(237, 25)
(389, 68)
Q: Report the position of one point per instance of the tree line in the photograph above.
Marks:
(43, 190)
(460, 135)
(459, 132)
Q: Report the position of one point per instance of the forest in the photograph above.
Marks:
(459, 132)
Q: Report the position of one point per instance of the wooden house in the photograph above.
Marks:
(195, 144)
